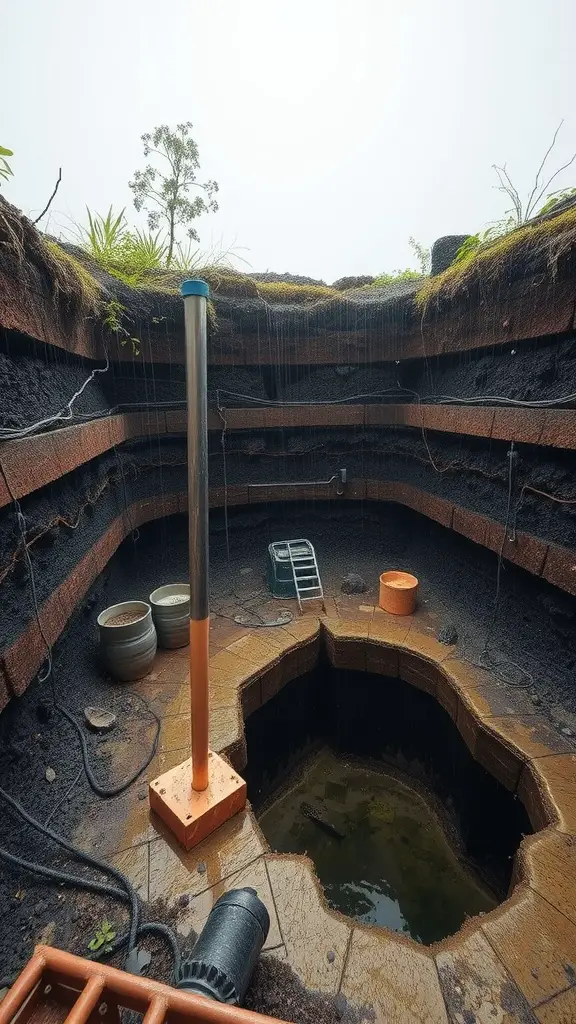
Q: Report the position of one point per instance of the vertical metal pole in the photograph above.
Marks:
(195, 294)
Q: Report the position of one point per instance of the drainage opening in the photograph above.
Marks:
(370, 778)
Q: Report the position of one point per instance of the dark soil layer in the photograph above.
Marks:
(382, 311)
(337, 383)
(531, 641)
(38, 381)
(470, 472)
(526, 371)
(68, 516)
(534, 370)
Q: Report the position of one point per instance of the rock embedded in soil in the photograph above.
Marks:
(353, 584)
(448, 634)
(99, 719)
(50, 775)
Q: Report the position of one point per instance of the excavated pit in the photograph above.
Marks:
(474, 497)
(370, 778)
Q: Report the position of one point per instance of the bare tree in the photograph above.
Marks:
(521, 212)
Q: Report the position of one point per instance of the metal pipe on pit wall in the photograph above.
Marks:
(195, 294)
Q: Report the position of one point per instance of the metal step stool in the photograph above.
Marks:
(293, 571)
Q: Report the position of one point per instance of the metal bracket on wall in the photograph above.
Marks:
(340, 476)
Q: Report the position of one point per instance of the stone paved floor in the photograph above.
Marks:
(517, 963)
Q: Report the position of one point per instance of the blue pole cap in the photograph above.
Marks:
(195, 287)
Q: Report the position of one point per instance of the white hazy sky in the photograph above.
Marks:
(336, 129)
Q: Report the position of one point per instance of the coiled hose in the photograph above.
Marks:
(127, 893)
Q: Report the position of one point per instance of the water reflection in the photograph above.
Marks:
(393, 867)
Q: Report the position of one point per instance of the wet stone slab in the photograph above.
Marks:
(477, 988)
(316, 941)
(397, 980)
(174, 872)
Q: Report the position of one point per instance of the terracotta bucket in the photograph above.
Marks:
(398, 592)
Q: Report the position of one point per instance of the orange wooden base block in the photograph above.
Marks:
(192, 816)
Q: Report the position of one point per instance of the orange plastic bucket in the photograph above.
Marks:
(398, 592)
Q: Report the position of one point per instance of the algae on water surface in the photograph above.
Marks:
(394, 867)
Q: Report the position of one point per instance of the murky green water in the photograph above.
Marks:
(394, 866)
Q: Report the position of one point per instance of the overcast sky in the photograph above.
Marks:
(335, 128)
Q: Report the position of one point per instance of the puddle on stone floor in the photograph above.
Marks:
(393, 867)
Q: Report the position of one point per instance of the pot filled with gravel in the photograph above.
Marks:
(127, 639)
(171, 614)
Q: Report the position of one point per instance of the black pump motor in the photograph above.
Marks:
(227, 948)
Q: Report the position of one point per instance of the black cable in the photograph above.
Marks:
(78, 882)
(130, 894)
(147, 928)
(63, 876)
(109, 791)
(93, 862)
(101, 791)
(9, 434)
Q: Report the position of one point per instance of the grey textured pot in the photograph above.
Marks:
(128, 649)
(171, 614)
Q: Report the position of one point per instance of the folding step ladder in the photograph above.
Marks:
(307, 582)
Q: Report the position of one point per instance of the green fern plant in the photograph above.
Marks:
(113, 320)
(104, 237)
(142, 251)
(473, 243)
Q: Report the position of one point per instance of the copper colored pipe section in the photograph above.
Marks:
(144, 995)
(23, 986)
(85, 1004)
(199, 642)
(156, 1011)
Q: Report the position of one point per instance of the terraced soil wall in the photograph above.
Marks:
(443, 419)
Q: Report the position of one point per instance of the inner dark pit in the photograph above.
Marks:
(427, 835)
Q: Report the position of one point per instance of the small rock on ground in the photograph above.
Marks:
(448, 634)
(353, 584)
(50, 775)
(99, 719)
